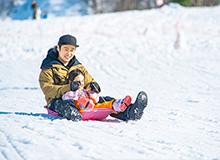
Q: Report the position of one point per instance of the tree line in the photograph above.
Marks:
(189, 3)
(105, 6)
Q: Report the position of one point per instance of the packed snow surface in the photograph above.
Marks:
(126, 52)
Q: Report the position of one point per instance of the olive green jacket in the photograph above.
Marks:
(53, 77)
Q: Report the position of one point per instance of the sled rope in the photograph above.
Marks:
(102, 97)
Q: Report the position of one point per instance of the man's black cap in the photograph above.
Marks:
(67, 40)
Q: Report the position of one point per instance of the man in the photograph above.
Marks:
(53, 80)
(34, 7)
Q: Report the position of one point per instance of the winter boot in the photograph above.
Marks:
(86, 104)
(120, 105)
(66, 109)
(135, 111)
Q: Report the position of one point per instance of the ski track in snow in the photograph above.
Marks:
(182, 118)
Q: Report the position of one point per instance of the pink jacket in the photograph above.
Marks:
(74, 95)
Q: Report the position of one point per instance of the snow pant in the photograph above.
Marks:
(65, 109)
(105, 104)
(120, 115)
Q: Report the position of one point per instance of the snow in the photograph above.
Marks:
(126, 52)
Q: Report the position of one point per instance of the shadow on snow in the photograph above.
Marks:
(30, 114)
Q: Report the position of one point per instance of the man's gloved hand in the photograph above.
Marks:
(95, 87)
(74, 85)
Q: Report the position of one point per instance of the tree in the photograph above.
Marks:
(204, 2)
(185, 3)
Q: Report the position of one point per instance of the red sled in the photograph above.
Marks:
(95, 114)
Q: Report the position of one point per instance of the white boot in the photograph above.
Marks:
(117, 105)
(120, 105)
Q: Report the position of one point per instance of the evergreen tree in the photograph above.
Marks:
(185, 3)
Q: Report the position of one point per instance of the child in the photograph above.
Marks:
(86, 100)
(45, 15)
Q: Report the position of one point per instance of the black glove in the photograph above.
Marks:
(95, 87)
(74, 85)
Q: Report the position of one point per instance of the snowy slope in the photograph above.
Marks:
(125, 52)
(54, 8)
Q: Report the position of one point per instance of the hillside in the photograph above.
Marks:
(125, 52)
